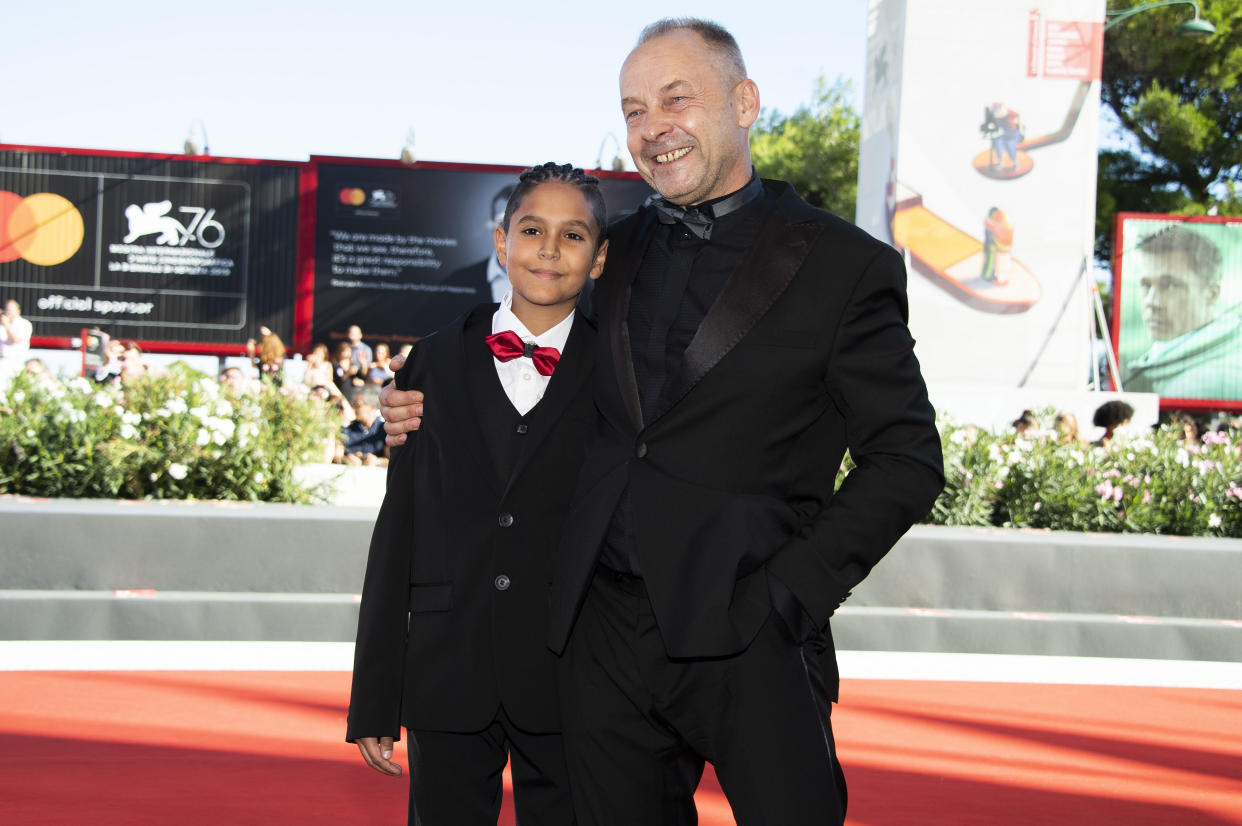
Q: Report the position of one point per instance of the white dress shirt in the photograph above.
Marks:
(521, 381)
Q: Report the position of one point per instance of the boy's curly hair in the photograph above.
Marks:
(566, 173)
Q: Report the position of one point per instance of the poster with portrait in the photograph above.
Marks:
(1177, 320)
(402, 250)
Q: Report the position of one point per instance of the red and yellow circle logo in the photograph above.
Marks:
(43, 228)
(352, 196)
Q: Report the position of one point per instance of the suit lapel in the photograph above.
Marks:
(760, 278)
(616, 311)
(475, 398)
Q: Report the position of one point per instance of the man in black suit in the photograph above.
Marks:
(746, 341)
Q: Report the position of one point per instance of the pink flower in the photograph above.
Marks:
(1146, 497)
(1105, 489)
(1117, 493)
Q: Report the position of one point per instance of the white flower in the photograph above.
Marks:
(154, 476)
(1182, 457)
(80, 384)
(258, 478)
(19, 397)
(1214, 521)
(203, 437)
(177, 470)
(128, 432)
(102, 399)
(223, 408)
(131, 418)
(176, 405)
(29, 433)
(199, 412)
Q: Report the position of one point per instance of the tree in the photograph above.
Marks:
(815, 148)
(1176, 100)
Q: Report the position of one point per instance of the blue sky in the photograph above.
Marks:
(481, 82)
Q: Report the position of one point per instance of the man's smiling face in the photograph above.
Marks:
(686, 118)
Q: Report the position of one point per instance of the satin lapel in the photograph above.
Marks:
(572, 372)
(762, 275)
(614, 322)
(476, 396)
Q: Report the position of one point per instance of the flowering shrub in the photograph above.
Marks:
(1149, 483)
(175, 436)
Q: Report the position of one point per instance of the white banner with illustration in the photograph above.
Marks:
(978, 162)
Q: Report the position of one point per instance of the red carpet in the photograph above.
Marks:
(225, 748)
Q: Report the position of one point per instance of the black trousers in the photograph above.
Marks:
(639, 725)
(455, 779)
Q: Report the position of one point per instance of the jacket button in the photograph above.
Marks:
(521, 429)
(502, 583)
(506, 520)
(641, 450)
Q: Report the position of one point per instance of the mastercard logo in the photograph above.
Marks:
(43, 228)
(352, 196)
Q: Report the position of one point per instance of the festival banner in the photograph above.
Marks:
(147, 247)
(978, 163)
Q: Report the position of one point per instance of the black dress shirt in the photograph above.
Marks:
(678, 280)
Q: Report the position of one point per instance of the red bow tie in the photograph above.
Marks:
(507, 346)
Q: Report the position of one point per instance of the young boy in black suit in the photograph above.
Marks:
(452, 627)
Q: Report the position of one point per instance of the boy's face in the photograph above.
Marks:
(550, 250)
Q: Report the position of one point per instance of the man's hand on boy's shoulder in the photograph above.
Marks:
(377, 752)
(401, 410)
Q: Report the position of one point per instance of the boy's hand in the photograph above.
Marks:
(401, 410)
(378, 755)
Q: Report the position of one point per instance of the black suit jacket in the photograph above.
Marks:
(441, 642)
(806, 352)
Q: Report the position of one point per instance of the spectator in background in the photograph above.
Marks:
(269, 357)
(38, 370)
(344, 372)
(236, 381)
(1188, 427)
(1111, 416)
(364, 436)
(15, 333)
(109, 372)
(359, 352)
(1065, 426)
(318, 371)
(132, 365)
(380, 372)
(1026, 425)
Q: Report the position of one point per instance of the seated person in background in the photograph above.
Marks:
(269, 357)
(379, 371)
(132, 365)
(1110, 416)
(1065, 426)
(364, 436)
(344, 371)
(318, 373)
(236, 381)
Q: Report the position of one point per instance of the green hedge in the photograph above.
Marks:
(181, 436)
(1143, 483)
(174, 436)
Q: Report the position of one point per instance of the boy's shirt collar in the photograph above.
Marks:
(504, 319)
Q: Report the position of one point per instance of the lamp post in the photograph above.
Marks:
(1198, 27)
(191, 148)
(618, 163)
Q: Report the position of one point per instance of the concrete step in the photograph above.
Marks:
(248, 616)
